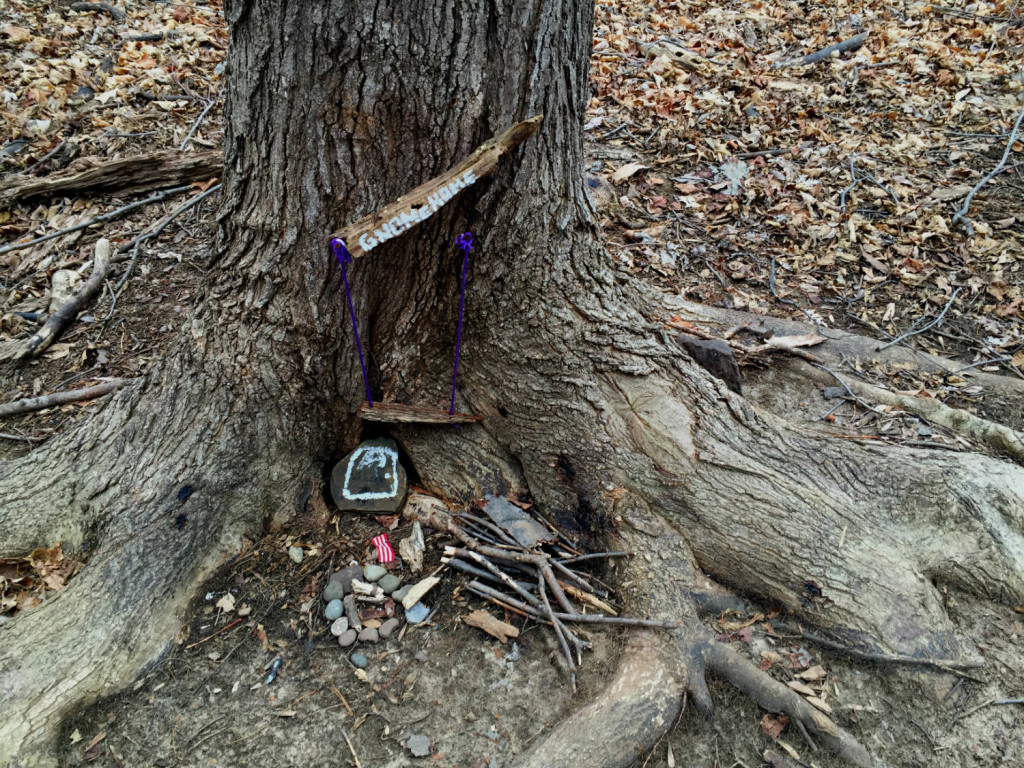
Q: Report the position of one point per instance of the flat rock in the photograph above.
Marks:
(387, 628)
(346, 575)
(373, 572)
(370, 479)
(347, 638)
(714, 356)
(418, 745)
(419, 590)
(417, 613)
(369, 635)
(514, 521)
(333, 610)
(389, 583)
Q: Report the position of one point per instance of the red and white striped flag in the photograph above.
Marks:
(385, 554)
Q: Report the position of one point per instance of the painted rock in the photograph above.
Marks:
(370, 479)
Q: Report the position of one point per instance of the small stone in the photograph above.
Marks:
(389, 583)
(369, 635)
(372, 623)
(418, 745)
(399, 594)
(333, 610)
(373, 572)
(347, 638)
(417, 613)
(296, 554)
(387, 628)
(346, 575)
(333, 591)
(359, 660)
(370, 479)
(339, 627)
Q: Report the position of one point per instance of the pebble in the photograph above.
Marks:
(387, 628)
(296, 554)
(418, 745)
(334, 591)
(347, 638)
(369, 635)
(389, 583)
(372, 623)
(345, 576)
(359, 660)
(339, 627)
(399, 594)
(333, 610)
(374, 572)
(417, 613)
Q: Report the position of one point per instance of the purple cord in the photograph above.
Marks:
(465, 242)
(338, 246)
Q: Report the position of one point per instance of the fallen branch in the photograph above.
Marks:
(95, 220)
(419, 204)
(930, 325)
(62, 318)
(132, 174)
(115, 13)
(961, 215)
(852, 44)
(30, 404)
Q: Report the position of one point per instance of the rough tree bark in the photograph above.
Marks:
(333, 110)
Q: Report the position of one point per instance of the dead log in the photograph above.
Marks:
(28, 404)
(140, 173)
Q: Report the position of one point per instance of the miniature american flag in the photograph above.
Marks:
(385, 553)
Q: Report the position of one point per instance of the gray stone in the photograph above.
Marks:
(715, 357)
(399, 594)
(333, 610)
(418, 745)
(370, 479)
(417, 613)
(359, 660)
(345, 576)
(347, 638)
(333, 591)
(387, 628)
(389, 583)
(296, 554)
(369, 635)
(339, 627)
(374, 573)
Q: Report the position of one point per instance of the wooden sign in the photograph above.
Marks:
(425, 200)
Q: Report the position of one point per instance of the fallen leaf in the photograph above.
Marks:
(626, 171)
(227, 603)
(817, 672)
(494, 627)
(772, 726)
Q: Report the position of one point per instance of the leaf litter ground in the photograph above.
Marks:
(713, 159)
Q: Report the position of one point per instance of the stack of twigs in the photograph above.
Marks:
(522, 579)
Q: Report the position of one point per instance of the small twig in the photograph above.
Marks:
(351, 749)
(961, 215)
(932, 324)
(49, 154)
(61, 398)
(843, 46)
(95, 220)
(114, 13)
(557, 626)
(195, 125)
(225, 628)
(594, 556)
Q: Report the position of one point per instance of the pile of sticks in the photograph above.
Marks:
(523, 580)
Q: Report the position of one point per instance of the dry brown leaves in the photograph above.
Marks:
(25, 582)
(846, 173)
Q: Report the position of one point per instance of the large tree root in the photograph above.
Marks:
(643, 700)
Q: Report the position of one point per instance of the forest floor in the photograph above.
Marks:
(722, 170)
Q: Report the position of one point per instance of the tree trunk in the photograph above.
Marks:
(334, 110)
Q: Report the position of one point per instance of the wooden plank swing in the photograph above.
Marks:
(359, 238)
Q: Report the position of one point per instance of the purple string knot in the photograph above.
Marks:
(338, 246)
(465, 242)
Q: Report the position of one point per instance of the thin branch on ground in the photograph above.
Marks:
(924, 328)
(115, 13)
(195, 125)
(95, 220)
(29, 404)
(961, 215)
